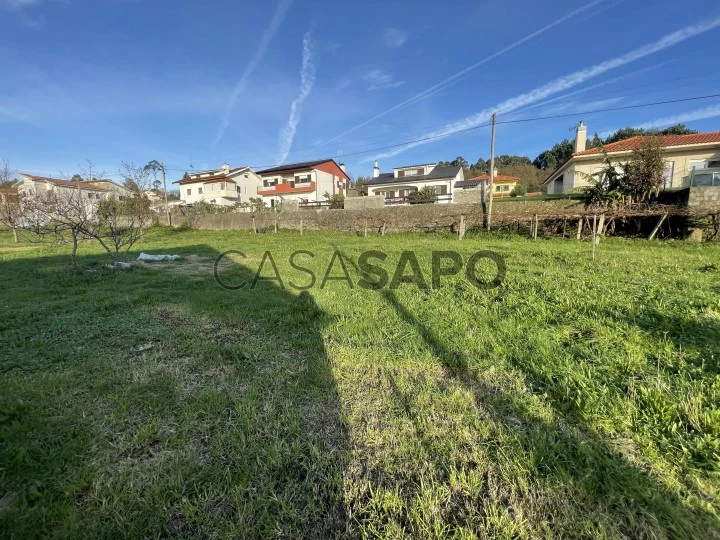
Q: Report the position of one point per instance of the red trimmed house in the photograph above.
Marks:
(304, 182)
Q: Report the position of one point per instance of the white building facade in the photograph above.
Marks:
(689, 160)
(221, 187)
(398, 185)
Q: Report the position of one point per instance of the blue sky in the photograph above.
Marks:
(201, 83)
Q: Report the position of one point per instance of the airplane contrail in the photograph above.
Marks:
(712, 111)
(454, 78)
(268, 36)
(562, 83)
(307, 80)
(593, 87)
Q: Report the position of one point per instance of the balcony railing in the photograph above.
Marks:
(287, 187)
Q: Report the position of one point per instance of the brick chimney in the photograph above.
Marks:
(580, 137)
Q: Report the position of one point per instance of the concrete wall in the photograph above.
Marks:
(705, 197)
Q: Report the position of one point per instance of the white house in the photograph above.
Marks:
(33, 185)
(305, 182)
(399, 184)
(223, 187)
(689, 159)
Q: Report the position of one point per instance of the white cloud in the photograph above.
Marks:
(561, 84)
(18, 4)
(268, 36)
(463, 73)
(307, 80)
(394, 37)
(713, 111)
(377, 79)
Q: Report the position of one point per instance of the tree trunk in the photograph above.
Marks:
(73, 256)
(15, 235)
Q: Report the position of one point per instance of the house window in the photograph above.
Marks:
(222, 186)
(199, 191)
(713, 164)
(696, 164)
(441, 189)
(189, 191)
(502, 188)
(668, 174)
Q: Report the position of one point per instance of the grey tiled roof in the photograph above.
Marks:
(438, 173)
(468, 183)
(294, 166)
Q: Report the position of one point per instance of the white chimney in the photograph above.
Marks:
(580, 137)
(226, 168)
(376, 170)
(342, 166)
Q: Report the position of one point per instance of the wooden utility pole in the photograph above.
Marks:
(491, 183)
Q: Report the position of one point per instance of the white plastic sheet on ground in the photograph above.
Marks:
(148, 257)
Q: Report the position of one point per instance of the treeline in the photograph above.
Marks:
(532, 172)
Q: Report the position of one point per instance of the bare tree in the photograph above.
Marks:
(135, 178)
(74, 213)
(7, 174)
(9, 199)
(120, 224)
(63, 214)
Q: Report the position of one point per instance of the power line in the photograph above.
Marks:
(521, 120)
(480, 126)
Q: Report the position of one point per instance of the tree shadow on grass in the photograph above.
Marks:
(153, 402)
(614, 490)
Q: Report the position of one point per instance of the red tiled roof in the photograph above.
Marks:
(627, 145)
(499, 178)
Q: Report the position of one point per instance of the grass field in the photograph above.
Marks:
(579, 399)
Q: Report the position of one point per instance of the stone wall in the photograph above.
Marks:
(706, 198)
(417, 217)
(467, 196)
(364, 203)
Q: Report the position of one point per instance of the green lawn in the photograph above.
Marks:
(579, 399)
